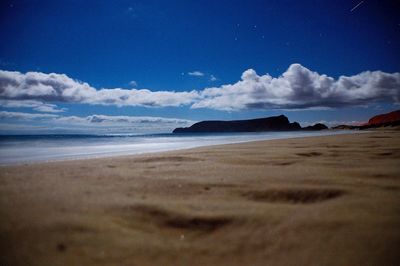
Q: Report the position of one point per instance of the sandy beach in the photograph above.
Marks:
(330, 200)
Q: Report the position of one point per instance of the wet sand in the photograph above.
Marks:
(332, 200)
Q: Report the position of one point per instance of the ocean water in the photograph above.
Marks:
(19, 149)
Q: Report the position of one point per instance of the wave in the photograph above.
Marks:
(17, 149)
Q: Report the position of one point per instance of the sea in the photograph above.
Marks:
(27, 149)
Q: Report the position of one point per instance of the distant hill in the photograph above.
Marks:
(317, 126)
(274, 123)
(383, 120)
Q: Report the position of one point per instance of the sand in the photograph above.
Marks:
(332, 200)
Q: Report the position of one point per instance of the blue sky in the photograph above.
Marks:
(185, 47)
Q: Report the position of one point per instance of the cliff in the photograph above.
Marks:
(385, 118)
(391, 119)
(275, 123)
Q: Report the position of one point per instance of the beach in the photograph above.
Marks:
(326, 200)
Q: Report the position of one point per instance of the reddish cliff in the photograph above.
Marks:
(385, 118)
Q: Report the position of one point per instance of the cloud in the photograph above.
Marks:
(201, 74)
(93, 123)
(35, 105)
(25, 116)
(297, 88)
(61, 88)
(196, 74)
(49, 108)
(106, 119)
(133, 84)
(94, 118)
(301, 88)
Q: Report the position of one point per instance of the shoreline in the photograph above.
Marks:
(132, 153)
(330, 200)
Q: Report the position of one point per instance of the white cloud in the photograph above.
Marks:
(49, 108)
(297, 88)
(300, 88)
(196, 74)
(133, 84)
(35, 105)
(60, 88)
(92, 123)
(25, 116)
(107, 119)
(142, 97)
(213, 78)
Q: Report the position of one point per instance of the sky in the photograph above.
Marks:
(150, 66)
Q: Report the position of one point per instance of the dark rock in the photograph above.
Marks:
(275, 123)
(317, 126)
(345, 127)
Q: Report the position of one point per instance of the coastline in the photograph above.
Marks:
(326, 200)
(107, 153)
